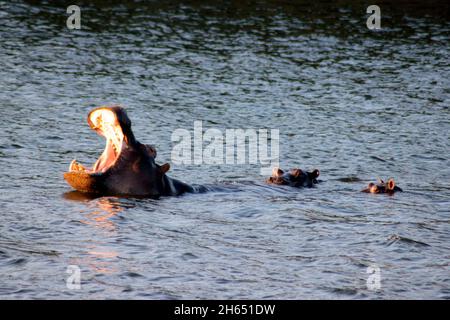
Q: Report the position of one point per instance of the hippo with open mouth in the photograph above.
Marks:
(382, 187)
(294, 178)
(126, 167)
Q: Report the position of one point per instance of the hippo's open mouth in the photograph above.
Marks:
(105, 122)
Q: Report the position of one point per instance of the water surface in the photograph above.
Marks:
(354, 103)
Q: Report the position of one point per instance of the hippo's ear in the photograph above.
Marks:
(380, 181)
(390, 184)
(277, 172)
(165, 167)
(296, 172)
(315, 173)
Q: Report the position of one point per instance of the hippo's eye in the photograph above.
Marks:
(296, 172)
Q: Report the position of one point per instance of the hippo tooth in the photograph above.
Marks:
(72, 165)
(75, 166)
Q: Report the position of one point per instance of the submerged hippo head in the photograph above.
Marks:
(382, 187)
(294, 178)
(126, 167)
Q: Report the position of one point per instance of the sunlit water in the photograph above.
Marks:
(354, 103)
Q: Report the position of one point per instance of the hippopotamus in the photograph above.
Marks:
(382, 187)
(126, 166)
(294, 178)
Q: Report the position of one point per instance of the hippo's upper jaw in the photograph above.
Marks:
(382, 187)
(126, 167)
(107, 122)
(294, 178)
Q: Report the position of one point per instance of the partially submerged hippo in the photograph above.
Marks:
(382, 187)
(126, 167)
(294, 178)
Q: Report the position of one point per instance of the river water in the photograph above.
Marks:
(355, 103)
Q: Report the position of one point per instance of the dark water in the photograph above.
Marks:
(355, 103)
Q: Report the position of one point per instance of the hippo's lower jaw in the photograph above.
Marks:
(126, 167)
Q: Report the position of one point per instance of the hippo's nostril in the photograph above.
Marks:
(374, 189)
(277, 172)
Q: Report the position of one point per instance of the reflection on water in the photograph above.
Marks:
(101, 218)
(354, 103)
(101, 211)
